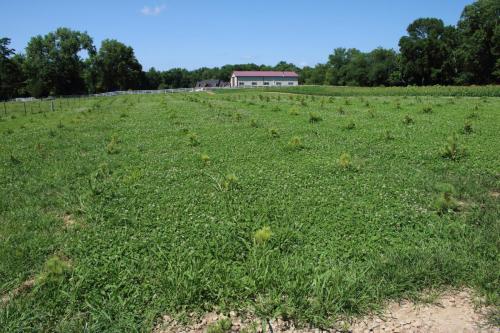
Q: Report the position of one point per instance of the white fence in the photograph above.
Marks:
(169, 91)
(134, 92)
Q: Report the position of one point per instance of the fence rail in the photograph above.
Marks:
(36, 105)
(127, 92)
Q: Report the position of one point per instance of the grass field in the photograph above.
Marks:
(115, 211)
(435, 91)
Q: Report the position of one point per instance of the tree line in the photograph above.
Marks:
(66, 62)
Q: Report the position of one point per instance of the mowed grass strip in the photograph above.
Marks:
(189, 202)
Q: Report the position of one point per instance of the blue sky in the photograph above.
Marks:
(196, 33)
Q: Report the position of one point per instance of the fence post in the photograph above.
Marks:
(52, 106)
(5, 108)
(24, 108)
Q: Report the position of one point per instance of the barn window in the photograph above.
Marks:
(266, 83)
(290, 83)
(241, 83)
(254, 83)
(278, 83)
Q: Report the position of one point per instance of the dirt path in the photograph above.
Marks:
(451, 312)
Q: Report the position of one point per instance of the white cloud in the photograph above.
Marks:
(153, 11)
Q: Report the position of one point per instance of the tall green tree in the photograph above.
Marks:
(335, 73)
(479, 50)
(154, 78)
(115, 67)
(54, 64)
(11, 75)
(427, 52)
(285, 66)
(382, 67)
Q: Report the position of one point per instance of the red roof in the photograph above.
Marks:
(265, 73)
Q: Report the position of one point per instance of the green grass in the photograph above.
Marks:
(181, 204)
(458, 91)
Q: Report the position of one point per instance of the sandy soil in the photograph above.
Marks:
(451, 312)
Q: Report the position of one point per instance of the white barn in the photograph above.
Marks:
(263, 79)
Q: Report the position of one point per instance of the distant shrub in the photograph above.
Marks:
(427, 109)
(314, 117)
(388, 136)
(295, 143)
(371, 113)
(293, 112)
(350, 126)
(408, 120)
(303, 102)
(262, 235)
(451, 149)
(254, 123)
(347, 102)
(341, 111)
(237, 115)
(11, 131)
(112, 147)
(60, 125)
(274, 133)
(473, 115)
(193, 140)
(276, 108)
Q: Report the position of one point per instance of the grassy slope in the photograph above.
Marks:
(156, 235)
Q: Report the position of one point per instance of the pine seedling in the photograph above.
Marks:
(345, 161)
(314, 117)
(193, 140)
(451, 149)
(262, 235)
(295, 143)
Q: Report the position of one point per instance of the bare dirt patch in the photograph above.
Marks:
(68, 220)
(453, 311)
(495, 194)
(25, 286)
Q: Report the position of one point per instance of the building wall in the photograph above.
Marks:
(248, 81)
